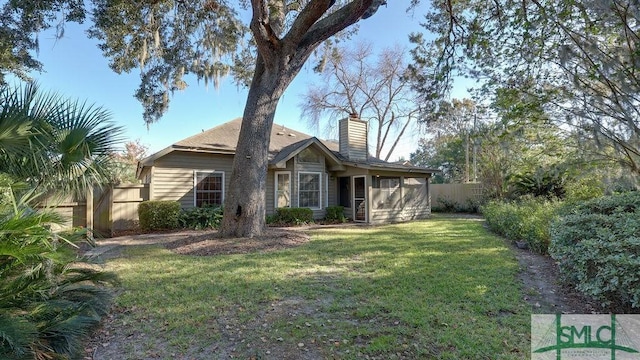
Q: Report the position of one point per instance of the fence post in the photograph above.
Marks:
(110, 209)
(89, 212)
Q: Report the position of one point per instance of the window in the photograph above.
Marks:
(386, 192)
(283, 189)
(309, 190)
(208, 188)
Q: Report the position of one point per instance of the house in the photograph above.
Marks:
(303, 172)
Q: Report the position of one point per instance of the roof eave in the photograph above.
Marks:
(369, 166)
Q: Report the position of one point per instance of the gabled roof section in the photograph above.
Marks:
(286, 153)
(223, 139)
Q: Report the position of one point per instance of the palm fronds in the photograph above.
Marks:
(50, 299)
(54, 143)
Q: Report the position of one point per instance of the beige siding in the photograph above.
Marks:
(353, 139)
(270, 195)
(353, 171)
(333, 190)
(173, 174)
(145, 175)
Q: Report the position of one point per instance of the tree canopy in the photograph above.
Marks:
(577, 59)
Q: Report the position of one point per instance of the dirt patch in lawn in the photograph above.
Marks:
(212, 243)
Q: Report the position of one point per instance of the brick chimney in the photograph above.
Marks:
(353, 138)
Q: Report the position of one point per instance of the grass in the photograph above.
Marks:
(441, 288)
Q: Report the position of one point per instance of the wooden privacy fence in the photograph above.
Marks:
(458, 193)
(105, 210)
(116, 208)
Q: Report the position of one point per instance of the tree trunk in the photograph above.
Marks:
(279, 61)
(244, 205)
(466, 157)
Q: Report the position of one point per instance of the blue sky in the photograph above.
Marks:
(75, 68)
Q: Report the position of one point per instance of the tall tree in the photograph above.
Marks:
(455, 119)
(375, 88)
(170, 39)
(445, 152)
(578, 59)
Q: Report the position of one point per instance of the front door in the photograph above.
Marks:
(359, 198)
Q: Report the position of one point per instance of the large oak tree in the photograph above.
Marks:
(262, 43)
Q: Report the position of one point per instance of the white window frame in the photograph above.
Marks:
(326, 192)
(275, 186)
(319, 174)
(195, 184)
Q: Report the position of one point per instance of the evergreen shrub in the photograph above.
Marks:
(199, 218)
(526, 220)
(158, 215)
(597, 246)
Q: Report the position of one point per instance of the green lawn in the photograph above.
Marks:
(441, 288)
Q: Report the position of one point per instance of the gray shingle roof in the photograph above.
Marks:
(284, 142)
(224, 137)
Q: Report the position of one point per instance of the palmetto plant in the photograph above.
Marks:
(49, 298)
(52, 143)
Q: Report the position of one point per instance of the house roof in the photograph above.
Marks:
(285, 143)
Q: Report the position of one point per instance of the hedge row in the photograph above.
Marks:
(167, 215)
(527, 220)
(291, 216)
(596, 242)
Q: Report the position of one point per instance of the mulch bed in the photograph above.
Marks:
(213, 244)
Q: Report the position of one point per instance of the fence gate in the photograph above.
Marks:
(116, 208)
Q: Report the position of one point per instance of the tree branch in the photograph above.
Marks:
(305, 20)
(266, 39)
(334, 23)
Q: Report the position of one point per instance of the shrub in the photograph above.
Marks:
(158, 215)
(445, 204)
(335, 214)
(542, 182)
(584, 189)
(597, 246)
(527, 220)
(199, 218)
(291, 216)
